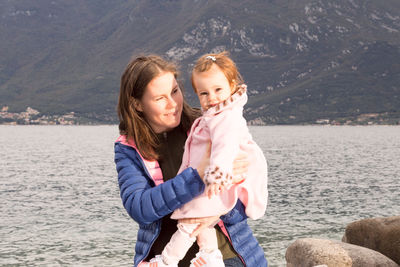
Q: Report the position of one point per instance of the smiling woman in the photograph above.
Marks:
(151, 102)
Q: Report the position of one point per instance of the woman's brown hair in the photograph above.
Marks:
(137, 75)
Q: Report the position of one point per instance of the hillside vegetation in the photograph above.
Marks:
(303, 60)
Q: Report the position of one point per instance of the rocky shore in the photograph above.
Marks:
(368, 242)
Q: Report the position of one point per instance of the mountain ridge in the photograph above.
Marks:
(303, 61)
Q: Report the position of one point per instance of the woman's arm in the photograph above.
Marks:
(144, 202)
(236, 215)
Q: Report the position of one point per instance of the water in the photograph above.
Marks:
(60, 202)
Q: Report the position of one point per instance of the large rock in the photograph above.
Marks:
(380, 234)
(312, 252)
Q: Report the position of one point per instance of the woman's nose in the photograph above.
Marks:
(171, 102)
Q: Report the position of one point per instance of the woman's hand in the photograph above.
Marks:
(205, 161)
(203, 223)
(240, 166)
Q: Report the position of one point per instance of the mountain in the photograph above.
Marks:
(303, 60)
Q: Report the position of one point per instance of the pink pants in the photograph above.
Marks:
(181, 241)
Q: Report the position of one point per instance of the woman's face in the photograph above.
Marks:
(162, 103)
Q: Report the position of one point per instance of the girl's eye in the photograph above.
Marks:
(175, 90)
(218, 89)
(159, 98)
(203, 93)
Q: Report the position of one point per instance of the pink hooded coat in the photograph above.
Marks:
(225, 126)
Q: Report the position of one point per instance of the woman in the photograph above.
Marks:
(154, 121)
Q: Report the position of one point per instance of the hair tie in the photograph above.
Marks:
(211, 57)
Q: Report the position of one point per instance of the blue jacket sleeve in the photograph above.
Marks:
(147, 203)
(236, 215)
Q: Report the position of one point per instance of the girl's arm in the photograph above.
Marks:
(144, 202)
(226, 130)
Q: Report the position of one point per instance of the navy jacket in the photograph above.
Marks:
(147, 203)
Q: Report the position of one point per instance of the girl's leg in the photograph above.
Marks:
(207, 240)
(179, 244)
(209, 253)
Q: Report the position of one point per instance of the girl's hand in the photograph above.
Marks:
(213, 190)
(205, 161)
(203, 223)
(240, 166)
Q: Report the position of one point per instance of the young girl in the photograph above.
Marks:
(222, 96)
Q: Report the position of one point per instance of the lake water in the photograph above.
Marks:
(60, 203)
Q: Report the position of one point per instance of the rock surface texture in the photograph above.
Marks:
(313, 252)
(380, 234)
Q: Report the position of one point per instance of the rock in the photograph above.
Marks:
(313, 252)
(380, 234)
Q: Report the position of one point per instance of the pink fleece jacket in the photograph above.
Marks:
(227, 129)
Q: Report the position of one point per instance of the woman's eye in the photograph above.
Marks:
(203, 93)
(218, 89)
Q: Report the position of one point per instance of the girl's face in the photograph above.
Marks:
(162, 103)
(212, 87)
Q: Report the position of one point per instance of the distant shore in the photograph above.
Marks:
(33, 117)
